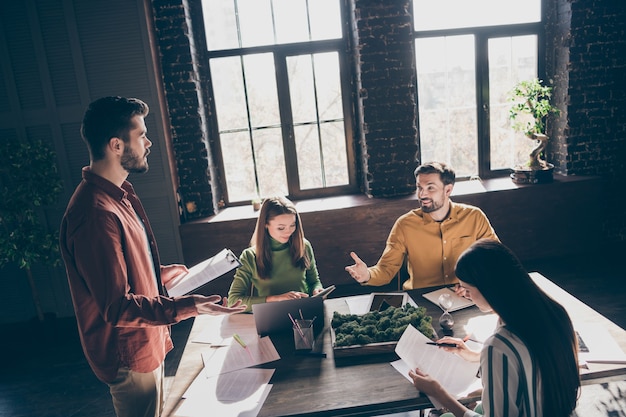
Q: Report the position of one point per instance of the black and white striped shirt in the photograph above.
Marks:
(511, 385)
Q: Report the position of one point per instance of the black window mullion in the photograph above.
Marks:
(286, 119)
(482, 105)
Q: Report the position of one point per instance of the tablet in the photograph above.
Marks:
(325, 292)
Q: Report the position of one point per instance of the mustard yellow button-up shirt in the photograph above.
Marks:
(431, 248)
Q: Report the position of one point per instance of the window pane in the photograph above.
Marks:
(302, 91)
(316, 98)
(511, 60)
(447, 102)
(238, 165)
(328, 86)
(228, 89)
(449, 14)
(270, 162)
(335, 154)
(261, 88)
(255, 22)
(291, 21)
(322, 160)
(309, 159)
(220, 24)
(325, 17)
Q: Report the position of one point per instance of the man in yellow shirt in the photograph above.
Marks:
(431, 237)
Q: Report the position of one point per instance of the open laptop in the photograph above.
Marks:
(274, 317)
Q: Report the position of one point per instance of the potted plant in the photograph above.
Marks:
(28, 182)
(528, 114)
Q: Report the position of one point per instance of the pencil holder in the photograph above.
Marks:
(303, 334)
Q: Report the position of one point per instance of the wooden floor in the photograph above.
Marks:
(44, 373)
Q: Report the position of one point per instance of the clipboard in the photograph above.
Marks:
(203, 273)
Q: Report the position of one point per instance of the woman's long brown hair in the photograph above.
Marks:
(272, 207)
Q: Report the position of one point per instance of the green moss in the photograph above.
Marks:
(380, 326)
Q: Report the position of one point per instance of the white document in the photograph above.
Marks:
(358, 304)
(238, 393)
(234, 357)
(455, 374)
(458, 302)
(598, 346)
(204, 272)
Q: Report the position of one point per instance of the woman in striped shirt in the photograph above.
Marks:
(529, 366)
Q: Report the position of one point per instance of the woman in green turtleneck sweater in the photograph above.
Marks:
(279, 264)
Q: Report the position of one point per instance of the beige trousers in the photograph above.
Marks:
(138, 394)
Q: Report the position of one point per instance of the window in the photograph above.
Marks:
(281, 91)
(467, 61)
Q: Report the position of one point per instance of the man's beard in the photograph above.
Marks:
(132, 163)
(434, 206)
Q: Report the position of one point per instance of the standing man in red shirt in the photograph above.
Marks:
(116, 280)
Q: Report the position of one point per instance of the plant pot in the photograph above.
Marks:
(533, 176)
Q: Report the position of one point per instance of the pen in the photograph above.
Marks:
(243, 345)
(450, 345)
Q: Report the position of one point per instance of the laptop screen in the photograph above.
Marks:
(274, 317)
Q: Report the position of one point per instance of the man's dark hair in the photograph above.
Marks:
(446, 173)
(109, 117)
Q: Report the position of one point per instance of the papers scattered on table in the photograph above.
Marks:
(598, 346)
(239, 393)
(234, 357)
(458, 302)
(203, 273)
(228, 386)
(454, 373)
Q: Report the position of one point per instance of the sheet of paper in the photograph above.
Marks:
(455, 374)
(458, 302)
(234, 357)
(204, 272)
(232, 386)
(358, 304)
(209, 337)
(239, 393)
(601, 347)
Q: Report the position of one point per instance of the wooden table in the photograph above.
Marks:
(366, 385)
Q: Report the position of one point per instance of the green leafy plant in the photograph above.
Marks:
(532, 98)
(28, 182)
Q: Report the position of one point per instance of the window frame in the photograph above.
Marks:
(280, 53)
(482, 35)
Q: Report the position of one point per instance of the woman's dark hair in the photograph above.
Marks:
(541, 323)
(272, 207)
(109, 117)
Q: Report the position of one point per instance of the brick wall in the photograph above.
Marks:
(181, 51)
(588, 58)
(585, 63)
(385, 72)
